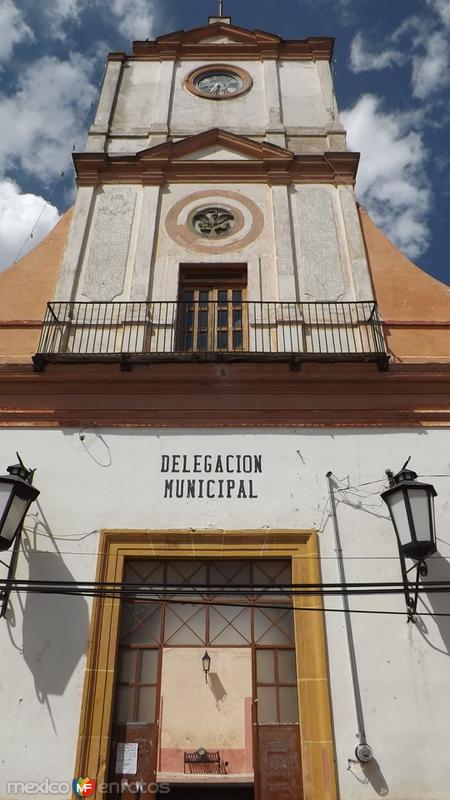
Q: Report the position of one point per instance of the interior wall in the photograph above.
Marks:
(214, 714)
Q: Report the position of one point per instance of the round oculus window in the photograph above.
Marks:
(213, 222)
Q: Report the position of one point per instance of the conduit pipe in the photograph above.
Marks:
(363, 752)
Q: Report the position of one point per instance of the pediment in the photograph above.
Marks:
(217, 145)
(219, 39)
(220, 32)
(216, 153)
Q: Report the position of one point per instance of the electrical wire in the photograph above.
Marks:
(263, 606)
(135, 590)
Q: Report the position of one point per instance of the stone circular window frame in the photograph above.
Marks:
(189, 82)
(182, 235)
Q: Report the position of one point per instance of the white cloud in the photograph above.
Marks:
(431, 67)
(63, 13)
(362, 59)
(19, 214)
(442, 8)
(43, 119)
(392, 183)
(419, 41)
(132, 18)
(13, 28)
(135, 18)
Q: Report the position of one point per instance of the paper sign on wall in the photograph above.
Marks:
(126, 758)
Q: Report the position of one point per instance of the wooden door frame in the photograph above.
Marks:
(301, 546)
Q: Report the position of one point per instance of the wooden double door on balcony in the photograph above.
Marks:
(212, 312)
(247, 709)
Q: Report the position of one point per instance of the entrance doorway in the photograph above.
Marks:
(231, 732)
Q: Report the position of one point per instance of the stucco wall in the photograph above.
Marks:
(302, 242)
(222, 719)
(144, 102)
(95, 483)
(25, 289)
(415, 306)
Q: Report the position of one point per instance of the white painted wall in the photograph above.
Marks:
(260, 254)
(85, 486)
(144, 102)
(221, 703)
(331, 260)
(309, 247)
(134, 110)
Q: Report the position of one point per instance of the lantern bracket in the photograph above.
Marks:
(422, 566)
(4, 595)
(411, 589)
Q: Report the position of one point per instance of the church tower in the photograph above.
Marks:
(216, 174)
(211, 362)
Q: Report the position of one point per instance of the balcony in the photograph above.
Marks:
(232, 330)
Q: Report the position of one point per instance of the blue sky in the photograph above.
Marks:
(392, 77)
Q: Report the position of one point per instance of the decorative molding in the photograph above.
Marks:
(167, 163)
(242, 235)
(21, 323)
(416, 323)
(220, 395)
(241, 44)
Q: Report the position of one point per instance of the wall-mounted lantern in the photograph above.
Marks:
(411, 507)
(206, 663)
(16, 496)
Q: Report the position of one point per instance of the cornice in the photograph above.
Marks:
(169, 163)
(242, 44)
(200, 395)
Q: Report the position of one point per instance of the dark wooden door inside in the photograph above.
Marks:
(139, 784)
(278, 773)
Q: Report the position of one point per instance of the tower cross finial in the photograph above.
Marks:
(220, 8)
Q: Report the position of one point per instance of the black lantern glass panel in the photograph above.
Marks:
(422, 509)
(16, 496)
(411, 506)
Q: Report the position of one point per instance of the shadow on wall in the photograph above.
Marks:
(217, 688)
(369, 773)
(375, 777)
(438, 570)
(55, 627)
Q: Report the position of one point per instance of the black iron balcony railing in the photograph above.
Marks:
(211, 330)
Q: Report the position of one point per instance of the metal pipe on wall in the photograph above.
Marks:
(363, 751)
